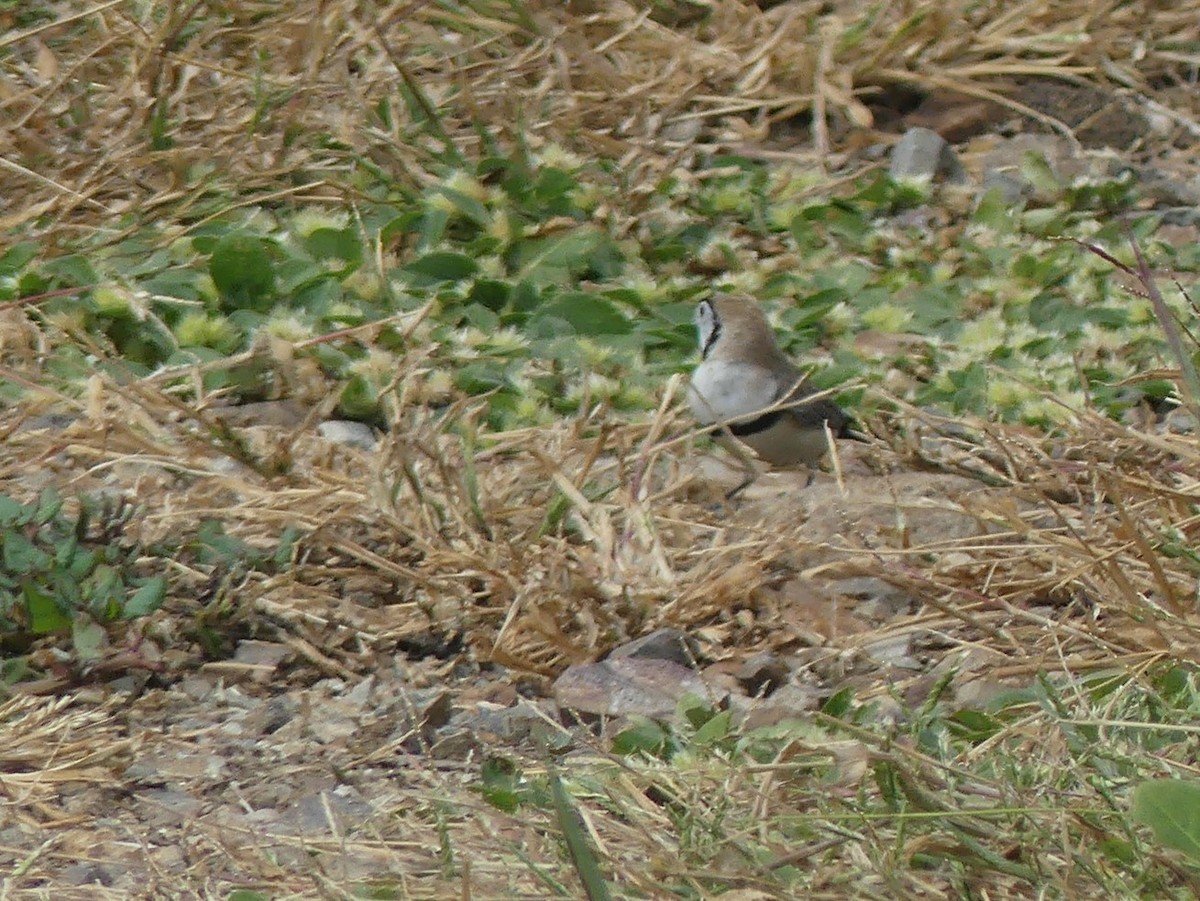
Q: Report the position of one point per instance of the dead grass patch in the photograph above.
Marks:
(119, 114)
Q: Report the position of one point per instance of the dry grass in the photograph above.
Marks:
(1056, 572)
(1059, 565)
(117, 110)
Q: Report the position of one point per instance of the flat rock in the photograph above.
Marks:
(763, 673)
(789, 702)
(922, 153)
(631, 686)
(285, 414)
(349, 433)
(661, 644)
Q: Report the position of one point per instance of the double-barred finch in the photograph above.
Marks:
(746, 386)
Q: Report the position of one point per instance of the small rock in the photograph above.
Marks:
(683, 132)
(661, 644)
(174, 767)
(283, 414)
(258, 660)
(879, 599)
(87, 874)
(431, 705)
(362, 693)
(631, 685)
(274, 715)
(261, 653)
(894, 650)
(1012, 189)
(1180, 422)
(53, 422)
(488, 725)
(763, 673)
(338, 810)
(497, 692)
(418, 716)
(924, 154)
(168, 807)
(332, 728)
(349, 433)
(981, 692)
(723, 675)
(788, 702)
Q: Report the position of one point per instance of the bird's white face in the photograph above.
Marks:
(707, 325)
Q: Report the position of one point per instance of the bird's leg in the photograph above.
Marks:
(727, 440)
(742, 486)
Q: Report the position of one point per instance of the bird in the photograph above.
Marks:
(749, 389)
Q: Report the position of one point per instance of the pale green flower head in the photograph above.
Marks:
(312, 219)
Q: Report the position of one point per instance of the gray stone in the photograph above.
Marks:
(880, 599)
(349, 433)
(339, 810)
(763, 673)
(630, 686)
(661, 644)
(1012, 189)
(527, 723)
(54, 422)
(1180, 422)
(893, 650)
(789, 702)
(283, 414)
(923, 154)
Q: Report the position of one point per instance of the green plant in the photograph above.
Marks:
(60, 566)
(1171, 808)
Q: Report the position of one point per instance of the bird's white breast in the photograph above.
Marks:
(722, 391)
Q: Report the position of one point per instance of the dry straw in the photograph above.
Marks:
(1069, 557)
(131, 110)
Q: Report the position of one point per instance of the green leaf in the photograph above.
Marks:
(553, 260)
(490, 293)
(49, 505)
(73, 271)
(88, 637)
(286, 551)
(500, 780)
(242, 269)
(695, 710)
(1171, 808)
(974, 725)
(645, 736)
(580, 849)
(715, 730)
(839, 704)
(146, 599)
(44, 613)
(969, 387)
(466, 206)
(16, 257)
(213, 546)
(10, 510)
(440, 266)
(22, 556)
(339, 244)
(586, 314)
(552, 193)
(177, 283)
(67, 552)
(1035, 170)
(359, 400)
